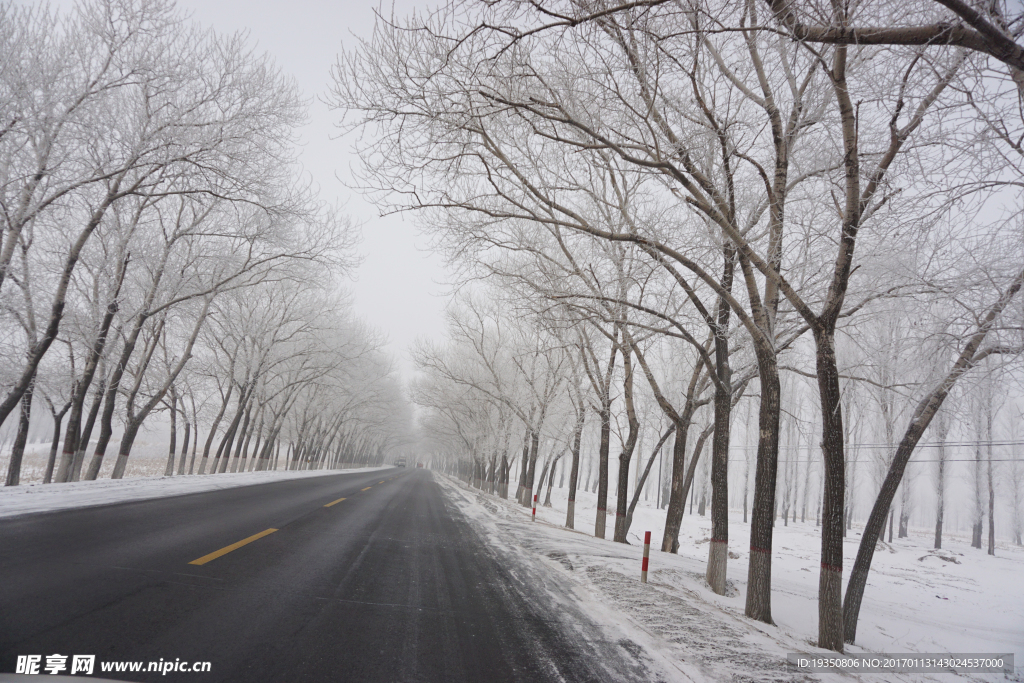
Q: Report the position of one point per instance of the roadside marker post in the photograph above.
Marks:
(535, 507)
(647, 556)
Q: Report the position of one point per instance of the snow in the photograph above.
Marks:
(918, 600)
(30, 498)
(148, 458)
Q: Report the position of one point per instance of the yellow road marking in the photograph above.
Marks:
(335, 502)
(380, 482)
(368, 488)
(234, 546)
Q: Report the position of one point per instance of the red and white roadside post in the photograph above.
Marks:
(535, 507)
(647, 556)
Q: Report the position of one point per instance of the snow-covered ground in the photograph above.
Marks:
(918, 600)
(27, 498)
(148, 458)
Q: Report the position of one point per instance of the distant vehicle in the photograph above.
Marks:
(419, 464)
(400, 462)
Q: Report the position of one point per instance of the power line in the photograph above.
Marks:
(929, 444)
(912, 461)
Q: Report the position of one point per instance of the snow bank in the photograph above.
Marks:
(29, 498)
(918, 600)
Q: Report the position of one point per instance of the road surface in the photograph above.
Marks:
(349, 577)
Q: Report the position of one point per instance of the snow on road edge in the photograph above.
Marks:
(567, 596)
(33, 498)
(675, 617)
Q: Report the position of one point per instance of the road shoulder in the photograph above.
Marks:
(627, 652)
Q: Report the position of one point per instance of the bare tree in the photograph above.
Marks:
(941, 433)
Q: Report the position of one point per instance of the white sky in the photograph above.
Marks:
(397, 289)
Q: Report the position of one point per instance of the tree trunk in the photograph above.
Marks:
(71, 438)
(941, 504)
(173, 448)
(220, 462)
(759, 572)
(830, 578)
(940, 480)
(52, 460)
(135, 420)
(242, 438)
(642, 479)
(18, 449)
(626, 455)
(277, 454)
(258, 432)
(213, 428)
(106, 426)
(602, 477)
(67, 455)
(131, 430)
(746, 466)
(991, 497)
(106, 420)
(718, 548)
(807, 481)
(266, 454)
(574, 473)
(521, 494)
(551, 481)
(494, 476)
(86, 436)
(532, 469)
(506, 469)
(184, 444)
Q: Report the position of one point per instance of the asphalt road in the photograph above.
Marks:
(390, 584)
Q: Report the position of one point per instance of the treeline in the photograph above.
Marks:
(716, 201)
(161, 252)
